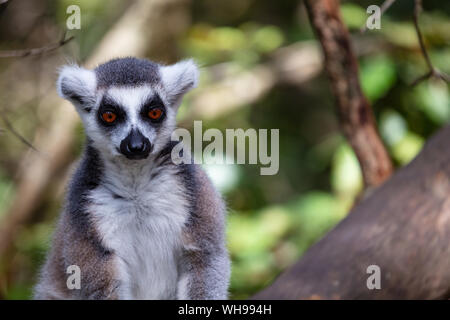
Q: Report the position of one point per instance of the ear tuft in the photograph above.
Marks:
(77, 85)
(179, 78)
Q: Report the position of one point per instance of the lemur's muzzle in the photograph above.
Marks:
(135, 146)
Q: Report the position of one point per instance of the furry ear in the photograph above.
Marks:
(77, 85)
(178, 79)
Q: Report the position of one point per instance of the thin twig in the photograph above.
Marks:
(432, 71)
(421, 78)
(386, 5)
(10, 127)
(417, 11)
(35, 51)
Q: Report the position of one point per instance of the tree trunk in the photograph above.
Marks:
(403, 227)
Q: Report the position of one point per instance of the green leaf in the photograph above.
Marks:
(353, 15)
(407, 148)
(434, 100)
(346, 176)
(378, 75)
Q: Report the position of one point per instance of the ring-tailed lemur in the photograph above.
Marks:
(137, 225)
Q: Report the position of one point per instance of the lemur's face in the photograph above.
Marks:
(128, 106)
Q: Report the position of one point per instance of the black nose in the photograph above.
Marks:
(135, 146)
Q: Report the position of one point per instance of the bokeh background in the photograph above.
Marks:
(261, 68)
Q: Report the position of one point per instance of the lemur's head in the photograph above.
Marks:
(128, 106)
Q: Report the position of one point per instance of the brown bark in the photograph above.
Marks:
(354, 111)
(403, 227)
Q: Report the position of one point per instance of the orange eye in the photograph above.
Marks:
(109, 117)
(155, 114)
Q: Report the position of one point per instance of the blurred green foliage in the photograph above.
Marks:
(243, 45)
(274, 219)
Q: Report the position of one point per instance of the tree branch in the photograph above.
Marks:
(35, 51)
(354, 111)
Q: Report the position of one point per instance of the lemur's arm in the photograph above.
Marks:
(204, 276)
(98, 275)
(70, 247)
(205, 267)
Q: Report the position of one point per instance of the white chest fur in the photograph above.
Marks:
(140, 219)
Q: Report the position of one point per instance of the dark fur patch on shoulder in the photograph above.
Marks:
(185, 171)
(167, 150)
(85, 179)
(127, 71)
